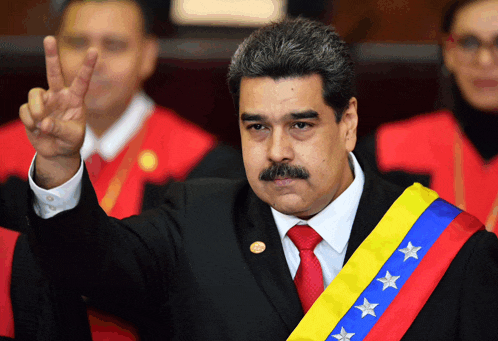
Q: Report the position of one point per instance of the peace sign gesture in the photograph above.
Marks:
(55, 118)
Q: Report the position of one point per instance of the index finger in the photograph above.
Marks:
(54, 71)
(80, 84)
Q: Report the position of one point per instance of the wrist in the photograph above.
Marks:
(55, 171)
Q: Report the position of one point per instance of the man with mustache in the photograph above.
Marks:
(312, 246)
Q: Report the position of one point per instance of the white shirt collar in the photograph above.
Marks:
(121, 132)
(335, 221)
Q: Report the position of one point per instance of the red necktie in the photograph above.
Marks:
(94, 165)
(309, 278)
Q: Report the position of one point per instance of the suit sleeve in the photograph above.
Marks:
(108, 259)
(480, 290)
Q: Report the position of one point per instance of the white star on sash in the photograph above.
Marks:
(388, 281)
(367, 308)
(410, 251)
(343, 336)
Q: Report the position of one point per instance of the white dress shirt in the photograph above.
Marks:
(333, 224)
(121, 132)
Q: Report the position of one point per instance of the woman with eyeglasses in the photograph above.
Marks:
(454, 150)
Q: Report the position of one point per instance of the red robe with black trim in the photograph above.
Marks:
(8, 241)
(171, 148)
(426, 145)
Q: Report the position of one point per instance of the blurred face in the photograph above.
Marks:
(126, 56)
(295, 154)
(471, 53)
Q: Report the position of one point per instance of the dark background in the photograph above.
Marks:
(394, 81)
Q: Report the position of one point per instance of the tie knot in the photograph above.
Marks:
(304, 237)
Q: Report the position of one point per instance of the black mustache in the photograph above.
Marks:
(284, 170)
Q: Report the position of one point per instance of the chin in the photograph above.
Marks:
(96, 103)
(290, 207)
(487, 105)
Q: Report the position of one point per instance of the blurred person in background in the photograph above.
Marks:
(133, 148)
(453, 150)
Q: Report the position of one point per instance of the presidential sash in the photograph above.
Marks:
(392, 273)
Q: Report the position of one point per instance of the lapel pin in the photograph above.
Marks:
(257, 247)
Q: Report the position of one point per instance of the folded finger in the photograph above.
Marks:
(54, 71)
(80, 84)
(36, 103)
(26, 119)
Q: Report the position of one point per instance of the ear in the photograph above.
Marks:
(448, 50)
(150, 53)
(350, 123)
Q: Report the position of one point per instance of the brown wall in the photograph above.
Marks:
(357, 21)
(24, 17)
(407, 21)
(393, 82)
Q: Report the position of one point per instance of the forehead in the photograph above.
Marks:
(265, 95)
(114, 17)
(479, 18)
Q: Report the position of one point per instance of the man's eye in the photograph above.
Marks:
(115, 45)
(75, 42)
(469, 43)
(495, 43)
(301, 125)
(256, 126)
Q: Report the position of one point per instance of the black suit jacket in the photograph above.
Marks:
(185, 271)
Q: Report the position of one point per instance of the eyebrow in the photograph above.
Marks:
(308, 114)
(246, 117)
(304, 115)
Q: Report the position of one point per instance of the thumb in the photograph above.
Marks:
(70, 133)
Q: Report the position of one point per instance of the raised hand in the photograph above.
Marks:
(55, 118)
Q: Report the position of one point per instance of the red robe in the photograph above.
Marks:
(174, 146)
(171, 148)
(426, 145)
(8, 240)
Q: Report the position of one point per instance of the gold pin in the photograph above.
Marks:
(258, 247)
(147, 160)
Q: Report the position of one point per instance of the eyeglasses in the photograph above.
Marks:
(468, 46)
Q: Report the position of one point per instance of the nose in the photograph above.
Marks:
(485, 56)
(280, 147)
(101, 60)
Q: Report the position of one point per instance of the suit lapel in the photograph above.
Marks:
(269, 267)
(377, 197)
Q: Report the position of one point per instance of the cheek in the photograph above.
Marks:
(70, 64)
(124, 69)
(254, 158)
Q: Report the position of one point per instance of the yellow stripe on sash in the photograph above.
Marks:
(364, 265)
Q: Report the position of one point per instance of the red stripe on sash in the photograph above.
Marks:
(419, 287)
(8, 241)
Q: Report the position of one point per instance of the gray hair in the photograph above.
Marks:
(296, 48)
